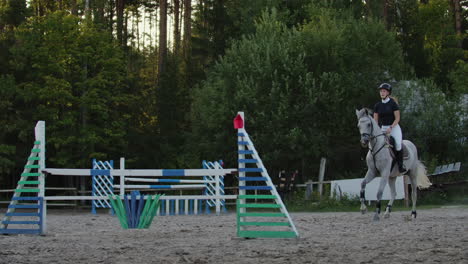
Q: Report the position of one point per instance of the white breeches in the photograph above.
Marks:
(396, 134)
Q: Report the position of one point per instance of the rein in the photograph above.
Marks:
(372, 146)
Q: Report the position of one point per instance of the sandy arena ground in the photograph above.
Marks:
(437, 236)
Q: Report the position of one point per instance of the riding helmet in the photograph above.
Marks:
(386, 86)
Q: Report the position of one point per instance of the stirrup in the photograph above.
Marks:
(402, 169)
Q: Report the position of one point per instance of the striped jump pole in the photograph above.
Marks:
(167, 180)
(175, 187)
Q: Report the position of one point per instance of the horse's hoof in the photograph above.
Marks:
(386, 215)
(376, 218)
(363, 211)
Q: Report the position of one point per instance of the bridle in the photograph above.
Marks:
(370, 137)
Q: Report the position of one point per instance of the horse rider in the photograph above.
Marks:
(387, 115)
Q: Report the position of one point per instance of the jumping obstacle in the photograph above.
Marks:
(32, 196)
(103, 183)
(137, 213)
(263, 190)
(30, 192)
(212, 185)
(214, 189)
(27, 206)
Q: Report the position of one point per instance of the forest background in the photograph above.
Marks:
(160, 81)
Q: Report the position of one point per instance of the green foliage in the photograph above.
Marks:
(260, 70)
(298, 87)
(459, 78)
(426, 114)
(12, 13)
(410, 35)
(244, 13)
(73, 77)
(7, 122)
(298, 73)
(441, 44)
(217, 23)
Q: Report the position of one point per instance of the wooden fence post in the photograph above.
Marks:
(309, 190)
(323, 162)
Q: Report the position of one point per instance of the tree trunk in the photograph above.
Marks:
(125, 30)
(219, 36)
(110, 15)
(368, 7)
(87, 11)
(120, 20)
(39, 8)
(187, 29)
(458, 19)
(162, 38)
(74, 8)
(385, 15)
(98, 12)
(176, 26)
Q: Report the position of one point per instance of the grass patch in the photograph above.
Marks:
(437, 196)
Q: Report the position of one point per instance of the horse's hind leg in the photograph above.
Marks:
(391, 184)
(369, 177)
(414, 192)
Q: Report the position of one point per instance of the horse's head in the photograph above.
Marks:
(365, 125)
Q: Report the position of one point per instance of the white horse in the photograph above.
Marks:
(380, 163)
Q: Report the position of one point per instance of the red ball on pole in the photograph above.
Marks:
(238, 122)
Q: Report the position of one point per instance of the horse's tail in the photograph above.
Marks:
(421, 176)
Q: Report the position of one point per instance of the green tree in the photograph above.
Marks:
(440, 41)
(12, 14)
(298, 87)
(8, 123)
(72, 76)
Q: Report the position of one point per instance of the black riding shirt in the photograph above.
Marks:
(386, 112)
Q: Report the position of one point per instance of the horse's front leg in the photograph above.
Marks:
(383, 182)
(391, 184)
(370, 175)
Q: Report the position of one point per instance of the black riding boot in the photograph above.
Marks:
(399, 158)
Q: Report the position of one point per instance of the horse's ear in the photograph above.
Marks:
(366, 111)
(357, 113)
(369, 111)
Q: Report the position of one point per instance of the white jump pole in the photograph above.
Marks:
(240, 148)
(39, 132)
(218, 202)
(122, 177)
